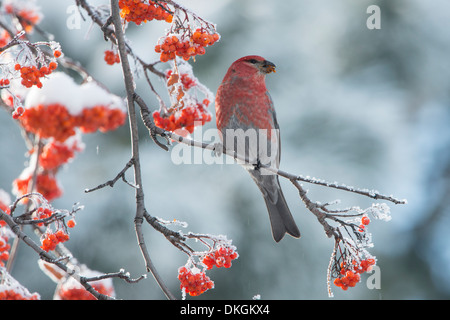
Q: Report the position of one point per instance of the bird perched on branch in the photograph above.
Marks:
(246, 119)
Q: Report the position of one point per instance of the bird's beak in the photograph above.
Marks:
(267, 67)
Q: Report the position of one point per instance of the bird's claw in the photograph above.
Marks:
(257, 165)
(218, 149)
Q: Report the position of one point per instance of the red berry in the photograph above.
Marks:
(52, 65)
(71, 223)
(365, 220)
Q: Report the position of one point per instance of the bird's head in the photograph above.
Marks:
(252, 64)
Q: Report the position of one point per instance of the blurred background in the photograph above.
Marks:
(368, 108)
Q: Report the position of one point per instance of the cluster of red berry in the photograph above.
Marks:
(57, 124)
(10, 294)
(138, 11)
(54, 154)
(46, 185)
(351, 274)
(364, 222)
(350, 279)
(4, 245)
(80, 293)
(42, 213)
(366, 265)
(186, 113)
(185, 79)
(4, 249)
(49, 121)
(100, 118)
(111, 57)
(51, 240)
(186, 118)
(28, 17)
(18, 112)
(55, 121)
(5, 208)
(194, 283)
(204, 38)
(31, 75)
(4, 82)
(221, 257)
(171, 46)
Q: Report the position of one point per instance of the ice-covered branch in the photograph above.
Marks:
(218, 148)
(45, 256)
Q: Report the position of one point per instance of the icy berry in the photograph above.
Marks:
(220, 257)
(193, 281)
(365, 220)
(111, 57)
(71, 223)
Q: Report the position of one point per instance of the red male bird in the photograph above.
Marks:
(246, 119)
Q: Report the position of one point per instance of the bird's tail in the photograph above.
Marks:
(280, 216)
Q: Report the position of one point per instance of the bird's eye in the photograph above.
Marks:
(253, 61)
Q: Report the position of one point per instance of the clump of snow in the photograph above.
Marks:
(93, 95)
(9, 283)
(59, 88)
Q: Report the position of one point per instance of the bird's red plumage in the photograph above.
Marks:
(243, 93)
(243, 102)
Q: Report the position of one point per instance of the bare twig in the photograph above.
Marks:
(111, 183)
(120, 274)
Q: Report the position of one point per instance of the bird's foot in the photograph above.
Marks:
(257, 165)
(218, 149)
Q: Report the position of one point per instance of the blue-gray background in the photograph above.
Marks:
(367, 108)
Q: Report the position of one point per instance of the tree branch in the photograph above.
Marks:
(111, 183)
(129, 86)
(16, 229)
(217, 148)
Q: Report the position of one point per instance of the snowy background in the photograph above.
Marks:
(368, 108)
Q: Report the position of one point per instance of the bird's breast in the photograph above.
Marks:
(248, 102)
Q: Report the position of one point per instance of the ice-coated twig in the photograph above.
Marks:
(374, 194)
(121, 274)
